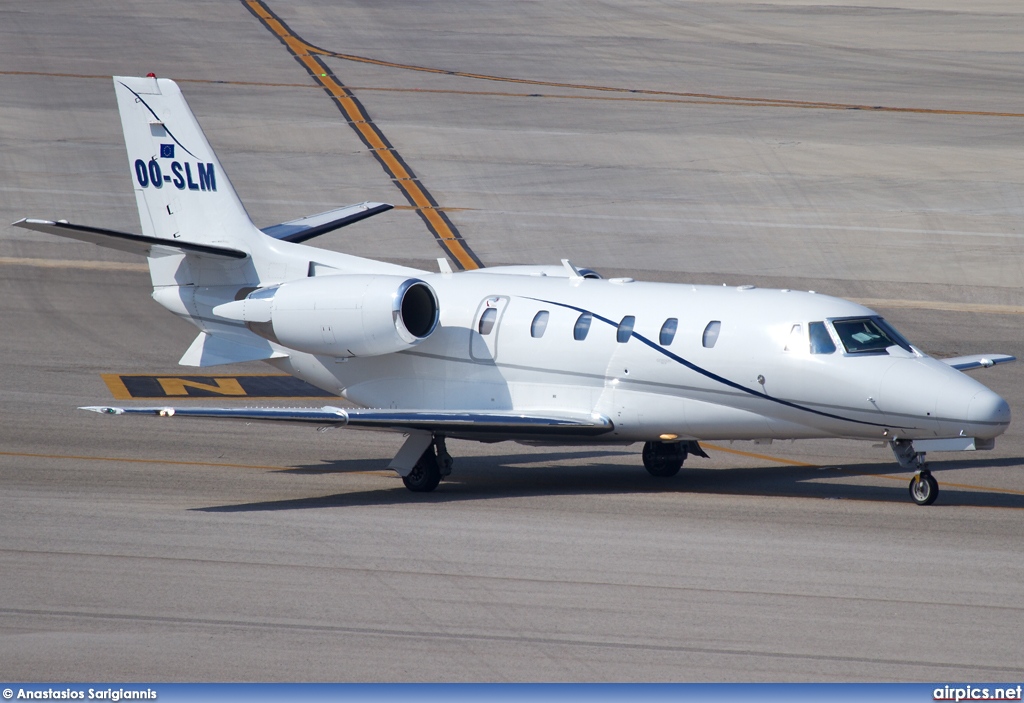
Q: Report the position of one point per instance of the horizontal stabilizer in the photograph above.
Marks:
(211, 350)
(306, 228)
(126, 241)
(462, 423)
(978, 361)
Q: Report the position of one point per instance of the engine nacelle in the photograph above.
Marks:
(343, 315)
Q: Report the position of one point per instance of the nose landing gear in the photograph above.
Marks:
(924, 489)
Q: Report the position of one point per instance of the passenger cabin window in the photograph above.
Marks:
(711, 333)
(625, 329)
(487, 321)
(871, 335)
(539, 324)
(668, 331)
(821, 340)
(579, 331)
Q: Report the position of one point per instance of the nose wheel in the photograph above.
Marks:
(924, 489)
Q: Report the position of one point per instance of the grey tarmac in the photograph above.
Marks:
(873, 151)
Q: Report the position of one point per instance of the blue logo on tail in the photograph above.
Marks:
(166, 151)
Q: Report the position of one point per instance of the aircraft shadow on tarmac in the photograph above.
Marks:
(533, 475)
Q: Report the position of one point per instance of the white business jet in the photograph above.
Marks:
(538, 354)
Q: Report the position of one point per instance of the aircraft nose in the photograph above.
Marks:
(989, 409)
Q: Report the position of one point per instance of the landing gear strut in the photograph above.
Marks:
(434, 464)
(924, 489)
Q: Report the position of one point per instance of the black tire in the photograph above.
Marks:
(662, 459)
(924, 489)
(425, 476)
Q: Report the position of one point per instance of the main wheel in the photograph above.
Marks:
(663, 459)
(425, 476)
(924, 489)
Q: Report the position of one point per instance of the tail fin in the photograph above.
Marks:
(203, 249)
(180, 187)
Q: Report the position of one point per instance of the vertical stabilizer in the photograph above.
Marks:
(180, 186)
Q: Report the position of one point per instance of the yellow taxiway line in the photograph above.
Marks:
(629, 94)
(371, 135)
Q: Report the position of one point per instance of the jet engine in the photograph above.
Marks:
(342, 315)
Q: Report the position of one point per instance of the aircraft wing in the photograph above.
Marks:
(978, 361)
(311, 226)
(467, 423)
(125, 241)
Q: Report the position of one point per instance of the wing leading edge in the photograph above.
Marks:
(473, 423)
(978, 361)
(125, 241)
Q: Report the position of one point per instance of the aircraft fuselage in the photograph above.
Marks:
(756, 379)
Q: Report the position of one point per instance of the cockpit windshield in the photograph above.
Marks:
(868, 335)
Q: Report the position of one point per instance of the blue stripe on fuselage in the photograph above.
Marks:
(713, 376)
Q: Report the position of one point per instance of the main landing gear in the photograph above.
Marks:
(924, 489)
(434, 464)
(664, 459)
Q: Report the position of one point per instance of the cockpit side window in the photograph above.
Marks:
(821, 340)
(868, 335)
